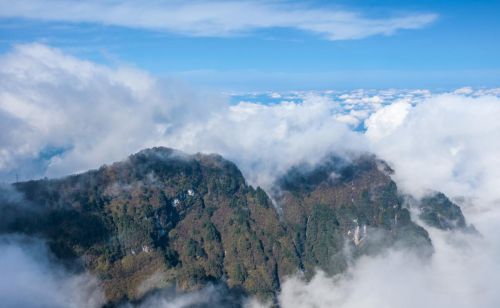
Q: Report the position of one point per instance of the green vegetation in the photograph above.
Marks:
(191, 220)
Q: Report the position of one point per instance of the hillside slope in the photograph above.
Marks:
(163, 218)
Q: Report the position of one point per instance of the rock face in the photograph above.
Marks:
(163, 218)
(341, 205)
(438, 211)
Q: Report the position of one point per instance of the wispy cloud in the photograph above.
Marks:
(35, 280)
(461, 273)
(217, 18)
(448, 142)
(64, 115)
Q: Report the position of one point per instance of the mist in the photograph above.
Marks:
(31, 277)
(60, 114)
(448, 143)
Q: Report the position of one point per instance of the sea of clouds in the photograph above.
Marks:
(60, 115)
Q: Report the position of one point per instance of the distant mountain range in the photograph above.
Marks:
(164, 219)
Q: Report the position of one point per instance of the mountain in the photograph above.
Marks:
(337, 200)
(163, 218)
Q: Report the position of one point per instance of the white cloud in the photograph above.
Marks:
(464, 90)
(373, 99)
(93, 114)
(449, 143)
(100, 114)
(50, 100)
(267, 140)
(57, 99)
(462, 273)
(348, 119)
(217, 18)
(384, 121)
(61, 115)
(31, 279)
(446, 142)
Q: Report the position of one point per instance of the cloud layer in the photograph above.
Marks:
(447, 143)
(462, 273)
(60, 114)
(217, 18)
(31, 279)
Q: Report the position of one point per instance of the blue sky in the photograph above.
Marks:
(432, 44)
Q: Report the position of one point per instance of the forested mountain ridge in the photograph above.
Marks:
(163, 218)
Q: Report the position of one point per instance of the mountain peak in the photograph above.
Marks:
(191, 220)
